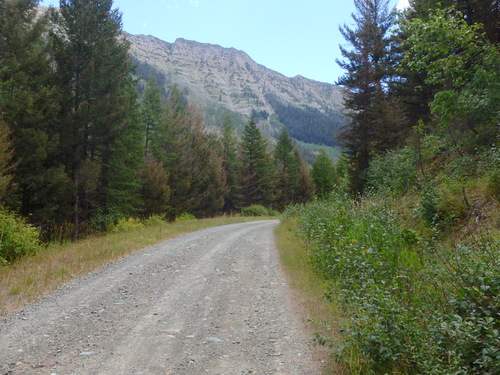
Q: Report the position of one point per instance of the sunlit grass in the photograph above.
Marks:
(26, 280)
(309, 290)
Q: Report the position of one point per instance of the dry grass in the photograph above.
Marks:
(43, 273)
(309, 291)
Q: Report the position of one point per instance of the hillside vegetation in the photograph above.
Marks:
(409, 239)
(86, 145)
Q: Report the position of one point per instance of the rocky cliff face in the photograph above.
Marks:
(217, 77)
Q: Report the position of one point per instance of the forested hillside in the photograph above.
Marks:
(84, 144)
(408, 241)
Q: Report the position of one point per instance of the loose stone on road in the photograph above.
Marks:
(210, 302)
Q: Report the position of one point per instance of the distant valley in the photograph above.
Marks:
(225, 81)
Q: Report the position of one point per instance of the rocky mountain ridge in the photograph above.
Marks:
(225, 80)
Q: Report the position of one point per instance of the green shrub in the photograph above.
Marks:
(105, 221)
(411, 305)
(125, 225)
(155, 220)
(17, 238)
(393, 173)
(258, 210)
(185, 216)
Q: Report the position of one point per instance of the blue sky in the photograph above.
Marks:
(293, 37)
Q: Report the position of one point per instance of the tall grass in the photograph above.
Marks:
(309, 291)
(25, 280)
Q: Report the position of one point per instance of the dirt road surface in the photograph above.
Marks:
(211, 302)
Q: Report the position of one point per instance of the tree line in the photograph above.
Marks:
(80, 147)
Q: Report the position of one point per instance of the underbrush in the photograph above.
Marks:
(414, 302)
(414, 263)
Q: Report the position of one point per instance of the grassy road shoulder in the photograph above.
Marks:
(308, 291)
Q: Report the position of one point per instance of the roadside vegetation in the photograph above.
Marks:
(407, 241)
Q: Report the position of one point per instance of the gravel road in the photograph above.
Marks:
(210, 302)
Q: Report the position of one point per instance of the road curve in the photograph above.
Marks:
(210, 302)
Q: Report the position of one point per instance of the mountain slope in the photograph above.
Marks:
(223, 81)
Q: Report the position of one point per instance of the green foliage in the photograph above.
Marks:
(367, 63)
(257, 172)
(185, 216)
(17, 238)
(288, 168)
(257, 210)
(231, 165)
(323, 174)
(154, 220)
(393, 173)
(465, 67)
(411, 305)
(126, 224)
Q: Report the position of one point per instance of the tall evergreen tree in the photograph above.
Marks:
(367, 65)
(207, 184)
(305, 189)
(151, 111)
(257, 172)
(94, 71)
(288, 168)
(168, 146)
(230, 164)
(155, 188)
(28, 104)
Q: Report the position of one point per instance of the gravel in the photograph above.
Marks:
(210, 302)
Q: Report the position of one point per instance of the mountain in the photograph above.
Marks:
(225, 81)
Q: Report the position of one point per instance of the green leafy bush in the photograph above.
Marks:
(125, 225)
(185, 216)
(411, 305)
(393, 173)
(154, 220)
(17, 239)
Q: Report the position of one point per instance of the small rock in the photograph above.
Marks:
(214, 339)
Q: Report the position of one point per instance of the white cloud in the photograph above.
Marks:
(194, 3)
(144, 25)
(403, 4)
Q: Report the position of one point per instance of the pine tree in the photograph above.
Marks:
(306, 187)
(207, 184)
(288, 168)
(29, 107)
(367, 65)
(230, 164)
(151, 111)
(168, 146)
(257, 173)
(94, 71)
(155, 188)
